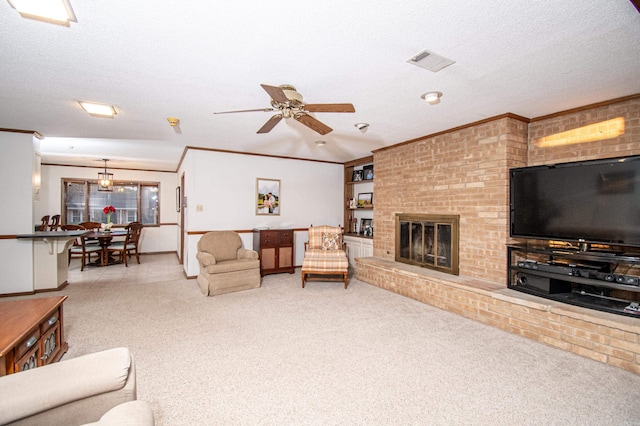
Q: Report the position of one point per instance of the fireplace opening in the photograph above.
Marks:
(430, 241)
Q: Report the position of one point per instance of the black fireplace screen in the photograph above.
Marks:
(428, 240)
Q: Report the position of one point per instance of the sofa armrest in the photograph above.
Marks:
(247, 254)
(205, 259)
(77, 390)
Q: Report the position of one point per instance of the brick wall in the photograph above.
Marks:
(463, 172)
(581, 124)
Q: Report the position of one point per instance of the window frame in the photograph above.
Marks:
(87, 182)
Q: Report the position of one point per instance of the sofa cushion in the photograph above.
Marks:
(63, 382)
(131, 413)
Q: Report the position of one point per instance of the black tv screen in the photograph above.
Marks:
(592, 201)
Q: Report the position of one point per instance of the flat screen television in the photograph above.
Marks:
(595, 201)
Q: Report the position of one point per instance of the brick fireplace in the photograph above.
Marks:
(464, 172)
(430, 241)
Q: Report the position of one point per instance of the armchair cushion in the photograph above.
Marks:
(331, 241)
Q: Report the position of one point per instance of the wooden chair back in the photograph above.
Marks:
(55, 222)
(45, 223)
(94, 226)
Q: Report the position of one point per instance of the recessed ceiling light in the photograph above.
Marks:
(98, 110)
(321, 143)
(52, 11)
(432, 97)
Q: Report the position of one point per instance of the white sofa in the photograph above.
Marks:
(98, 388)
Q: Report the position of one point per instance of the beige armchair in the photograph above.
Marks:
(98, 387)
(224, 265)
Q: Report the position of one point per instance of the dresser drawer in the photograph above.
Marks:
(50, 322)
(285, 238)
(268, 238)
(28, 343)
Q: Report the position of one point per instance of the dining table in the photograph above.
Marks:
(104, 239)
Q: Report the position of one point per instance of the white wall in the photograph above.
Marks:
(221, 194)
(154, 239)
(17, 165)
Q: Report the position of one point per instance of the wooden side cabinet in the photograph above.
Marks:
(31, 333)
(275, 248)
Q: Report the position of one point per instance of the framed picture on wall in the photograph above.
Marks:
(268, 200)
(357, 176)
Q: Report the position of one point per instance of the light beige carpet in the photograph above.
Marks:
(283, 355)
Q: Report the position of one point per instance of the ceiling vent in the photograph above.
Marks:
(430, 61)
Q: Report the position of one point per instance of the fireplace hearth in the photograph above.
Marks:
(430, 241)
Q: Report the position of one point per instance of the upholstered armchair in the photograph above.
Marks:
(224, 265)
(325, 256)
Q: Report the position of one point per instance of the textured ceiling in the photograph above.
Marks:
(188, 59)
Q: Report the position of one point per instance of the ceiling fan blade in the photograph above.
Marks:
(329, 108)
(245, 110)
(270, 124)
(313, 124)
(276, 93)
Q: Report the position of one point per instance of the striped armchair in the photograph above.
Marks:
(325, 257)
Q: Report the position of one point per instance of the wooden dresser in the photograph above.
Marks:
(31, 333)
(275, 247)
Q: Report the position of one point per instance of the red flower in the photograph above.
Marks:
(109, 209)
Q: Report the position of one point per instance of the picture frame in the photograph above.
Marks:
(357, 176)
(178, 200)
(366, 227)
(367, 172)
(267, 198)
(365, 200)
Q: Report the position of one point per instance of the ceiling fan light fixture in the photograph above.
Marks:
(361, 126)
(432, 97)
(321, 143)
(98, 110)
(53, 11)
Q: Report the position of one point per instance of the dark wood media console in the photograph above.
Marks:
(604, 280)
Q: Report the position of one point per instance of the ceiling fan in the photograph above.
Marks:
(288, 102)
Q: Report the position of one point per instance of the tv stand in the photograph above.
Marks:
(604, 280)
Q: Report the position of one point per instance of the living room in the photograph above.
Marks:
(462, 169)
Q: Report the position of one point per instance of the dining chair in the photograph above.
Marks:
(55, 222)
(129, 245)
(45, 223)
(92, 226)
(81, 248)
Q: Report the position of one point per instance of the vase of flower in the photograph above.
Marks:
(106, 227)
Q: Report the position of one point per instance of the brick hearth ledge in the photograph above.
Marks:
(602, 336)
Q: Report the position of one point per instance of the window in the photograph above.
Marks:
(133, 201)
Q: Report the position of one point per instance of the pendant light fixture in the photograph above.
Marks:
(105, 180)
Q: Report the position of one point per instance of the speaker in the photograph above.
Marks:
(627, 279)
(544, 285)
